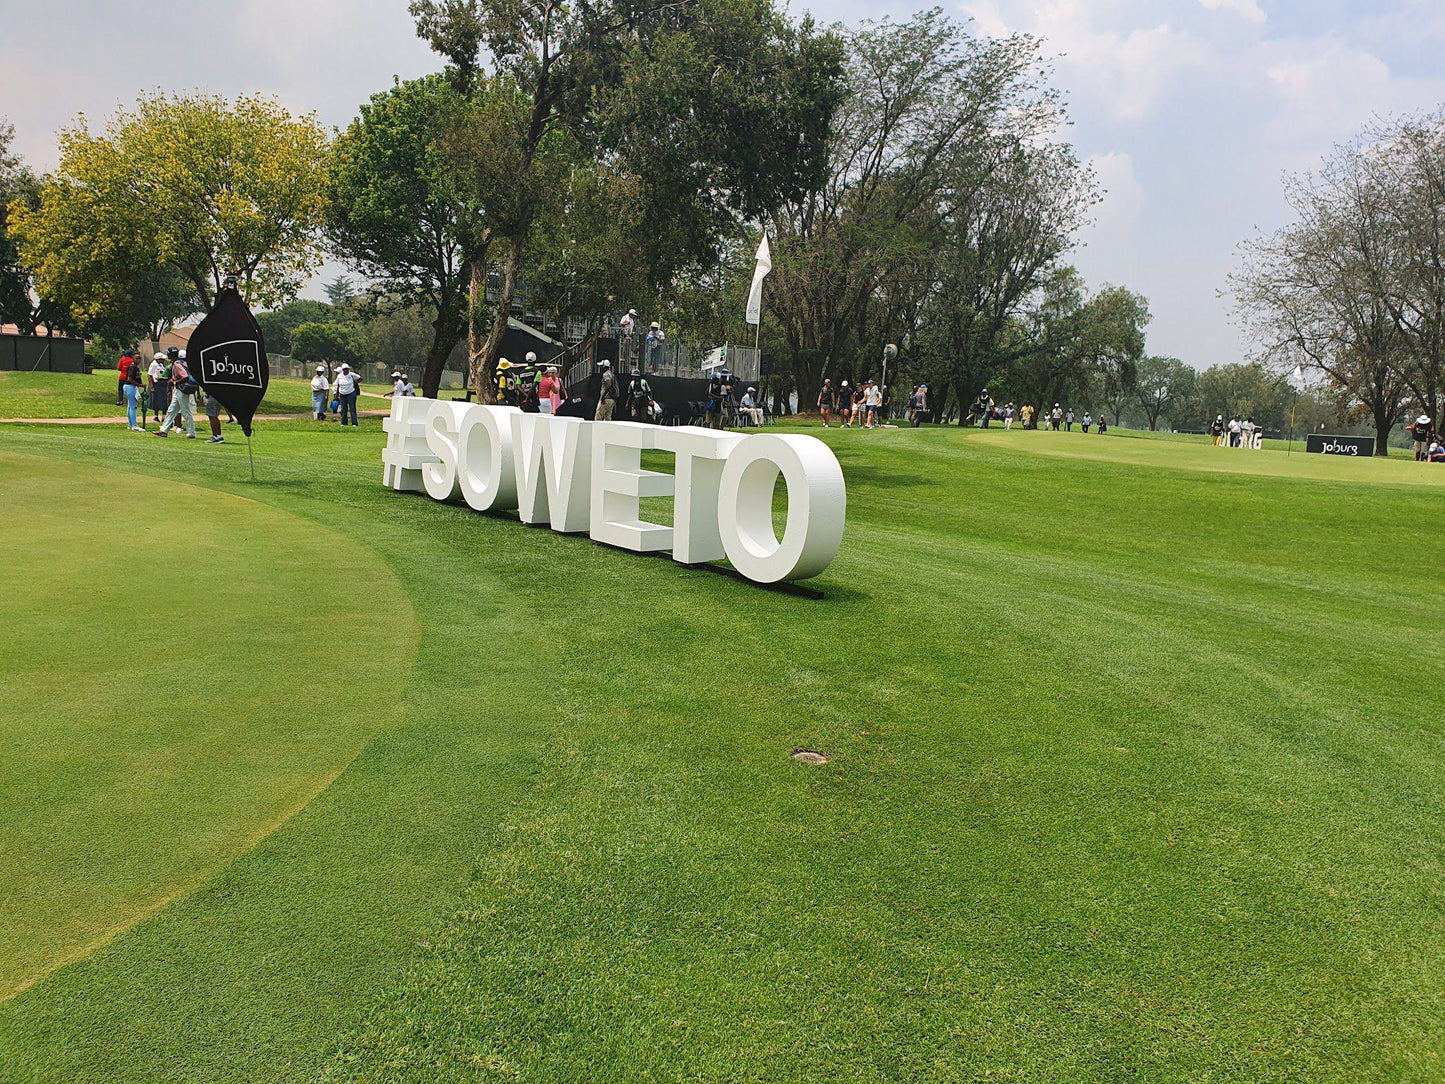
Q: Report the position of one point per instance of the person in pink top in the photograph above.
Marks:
(549, 390)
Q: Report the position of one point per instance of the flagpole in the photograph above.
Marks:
(1292, 405)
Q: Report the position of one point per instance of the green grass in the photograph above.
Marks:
(73, 395)
(1135, 775)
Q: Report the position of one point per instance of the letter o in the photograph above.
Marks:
(817, 507)
(484, 459)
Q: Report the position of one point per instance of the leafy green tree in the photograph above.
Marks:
(340, 291)
(1161, 385)
(199, 184)
(719, 108)
(1248, 390)
(20, 301)
(277, 324)
(1070, 339)
(332, 343)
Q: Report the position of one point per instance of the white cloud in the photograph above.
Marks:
(1127, 71)
(1124, 196)
(1245, 9)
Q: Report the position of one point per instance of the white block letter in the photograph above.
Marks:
(553, 461)
(618, 482)
(484, 460)
(700, 455)
(816, 507)
(406, 449)
(443, 422)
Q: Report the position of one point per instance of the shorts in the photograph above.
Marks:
(213, 407)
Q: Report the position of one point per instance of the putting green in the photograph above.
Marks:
(186, 669)
(1142, 450)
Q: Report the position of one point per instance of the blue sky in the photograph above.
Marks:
(1190, 110)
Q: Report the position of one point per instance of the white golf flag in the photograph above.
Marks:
(1298, 379)
(755, 298)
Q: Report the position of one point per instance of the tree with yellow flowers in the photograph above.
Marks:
(197, 184)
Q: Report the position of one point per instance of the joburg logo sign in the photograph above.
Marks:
(579, 476)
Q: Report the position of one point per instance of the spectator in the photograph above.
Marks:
(506, 383)
(859, 407)
(845, 404)
(1008, 417)
(124, 367)
(319, 387)
(1436, 452)
(1026, 415)
(873, 403)
(826, 400)
(1248, 428)
(348, 388)
(1103, 424)
(607, 393)
(750, 409)
(183, 401)
(1088, 421)
(547, 390)
(887, 409)
(213, 416)
(1056, 417)
(131, 390)
(639, 399)
(1420, 430)
(1069, 421)
(158, 382)
(628, 323)
(1235, 429)
(918, 404)
(655, 339)
(983, 408)
(1216, 429)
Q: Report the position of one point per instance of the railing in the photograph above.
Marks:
(666, 359)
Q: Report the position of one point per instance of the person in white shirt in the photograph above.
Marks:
(1008, 417)
(873, 401)
(749, 407)
(319, 387)
(628, 322)
(157, 386)
(400, 385)
(1234, 430)
(348, 388)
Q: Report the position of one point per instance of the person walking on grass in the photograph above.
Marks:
(607, 393)
(826, 400)
(845, 405)
(918, 404)
(131, 390)
(348, 388)
(319, 387)
(1216, 430)
(1103, 425)
(157, 382)
(183, 398)
(1235, 429)
(213, 416)
(1056, 417)
(1088, 421)
(1069, 421)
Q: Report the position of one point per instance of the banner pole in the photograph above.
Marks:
(251, 456)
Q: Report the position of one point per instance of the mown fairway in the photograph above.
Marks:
(1136, 774)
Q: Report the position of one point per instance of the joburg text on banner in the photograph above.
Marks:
(587, 477)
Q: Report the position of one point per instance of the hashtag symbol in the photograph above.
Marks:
(406, 450)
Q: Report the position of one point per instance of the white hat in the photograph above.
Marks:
(343, 365)
(321, 368)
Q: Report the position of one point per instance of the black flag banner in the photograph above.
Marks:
(228, 356)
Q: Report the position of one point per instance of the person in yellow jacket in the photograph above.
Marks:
(506, 383)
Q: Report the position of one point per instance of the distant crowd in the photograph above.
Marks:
(1236, 433)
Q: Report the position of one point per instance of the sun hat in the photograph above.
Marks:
(321, 368)
(504, 364)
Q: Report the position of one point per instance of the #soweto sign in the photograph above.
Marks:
(586, 477)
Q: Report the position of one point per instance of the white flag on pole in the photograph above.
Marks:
(1298, 378)
(755, 297)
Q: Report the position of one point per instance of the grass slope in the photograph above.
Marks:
(154, 727)
(1134, 776)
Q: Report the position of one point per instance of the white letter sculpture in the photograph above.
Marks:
(588, 476)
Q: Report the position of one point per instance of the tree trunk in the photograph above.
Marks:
(1384, 422)
(484, 360)
(446, 329)
(476, 292)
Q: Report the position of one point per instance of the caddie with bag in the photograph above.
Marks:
(183, 398)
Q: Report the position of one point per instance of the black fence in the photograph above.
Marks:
(41, 354)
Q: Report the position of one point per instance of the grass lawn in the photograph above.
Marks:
(1136, 774)
(74, 395)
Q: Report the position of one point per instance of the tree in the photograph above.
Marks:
(719, 108)
(340, 291)
(396, 216)
(1161, 385)
(916, 208)
(20, 302)
(277, 324)
(1316, 293)
(1069, 340)
(198, 184)
(332, 343)
(1244, 391)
